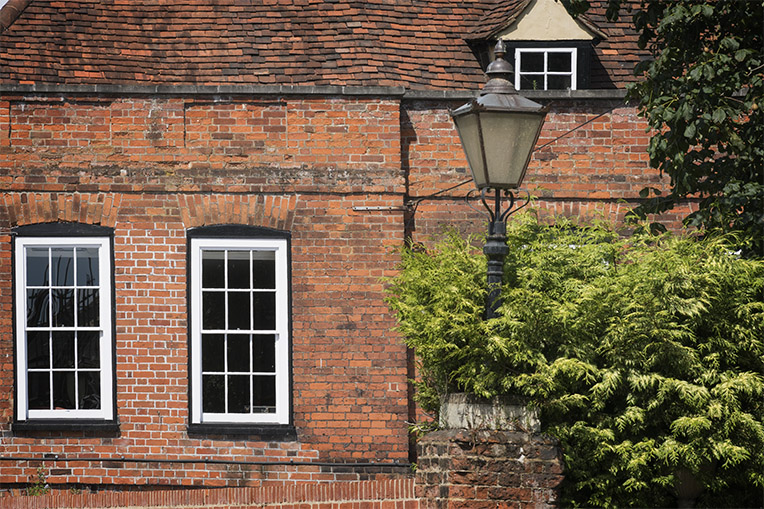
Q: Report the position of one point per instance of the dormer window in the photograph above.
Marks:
(548, 48)
(546, 68)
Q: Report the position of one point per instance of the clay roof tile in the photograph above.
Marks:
(420, 44)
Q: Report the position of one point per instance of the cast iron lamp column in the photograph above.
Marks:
(498, 131)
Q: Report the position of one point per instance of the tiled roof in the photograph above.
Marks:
(417, 44)
(617, 54)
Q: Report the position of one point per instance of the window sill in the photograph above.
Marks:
(84, 425)
(266, 432)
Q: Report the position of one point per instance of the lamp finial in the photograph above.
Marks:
(499, 73)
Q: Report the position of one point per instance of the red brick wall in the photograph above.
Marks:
(152, 168)
(333, 171)
(595, 169)
(198, 132)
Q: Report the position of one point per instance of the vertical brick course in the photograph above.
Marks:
(383, 494)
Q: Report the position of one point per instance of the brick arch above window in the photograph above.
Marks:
(86, 208)
(269, 211)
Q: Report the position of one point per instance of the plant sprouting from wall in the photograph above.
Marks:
(40, 484)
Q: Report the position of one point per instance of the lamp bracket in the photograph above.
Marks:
(497, 213)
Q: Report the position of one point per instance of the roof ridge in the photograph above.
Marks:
(10, 12)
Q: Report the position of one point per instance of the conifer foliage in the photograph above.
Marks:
(644, 354)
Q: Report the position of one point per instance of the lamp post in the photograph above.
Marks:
(498, 131)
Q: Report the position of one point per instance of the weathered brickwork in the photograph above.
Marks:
(336, 173)
(191, 133)
(487, 469)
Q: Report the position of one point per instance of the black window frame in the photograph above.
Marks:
(254, 431)
(63, 230)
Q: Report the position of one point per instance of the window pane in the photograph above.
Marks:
(39, 390)
(213, 351)
(558, 82)
(213, 393)
(531, 82)
(38, 349)
(62, 260)
(238, 394)
(63, 390)
(213, 266)
(88, 349)
(87, 266)
(264, 354)
(89, 389)
(264, 307)
(264, 398)
(37, 266)
(38, 312)
(238, 311)
(213, 310)
(559, 62)
(63, 349)
(63, 308)
(263, 270)
(238, 353)
(87, 308)
(531, 62)
(238, 269)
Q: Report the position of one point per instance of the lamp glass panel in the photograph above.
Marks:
(470, 136)
(508, 138)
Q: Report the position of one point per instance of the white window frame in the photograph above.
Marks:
(280, 247)
(546, 73)
(103, 244)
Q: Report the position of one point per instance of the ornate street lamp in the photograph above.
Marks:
(498, 131)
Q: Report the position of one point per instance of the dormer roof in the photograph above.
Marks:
(545, 19)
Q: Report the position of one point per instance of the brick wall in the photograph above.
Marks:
(488, 469)
(209, 132)
(593, 164)
(335, 172)
(151, 168)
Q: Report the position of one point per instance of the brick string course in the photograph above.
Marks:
(335, 172)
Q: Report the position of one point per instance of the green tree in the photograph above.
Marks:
(701, 93)
(645, 355)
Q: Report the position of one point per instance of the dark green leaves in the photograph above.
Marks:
(698, 95)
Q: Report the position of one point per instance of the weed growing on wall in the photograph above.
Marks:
(40, 485)
(644, 354)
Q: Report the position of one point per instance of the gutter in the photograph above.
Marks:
(289, 90)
